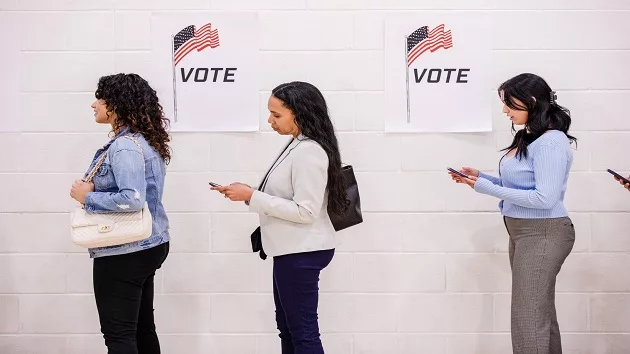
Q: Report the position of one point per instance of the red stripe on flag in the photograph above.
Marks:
(420, 50)
(211, 40)
(205, 27)
(425, 43)
(437, 39)
(184, 50)
(204, 37)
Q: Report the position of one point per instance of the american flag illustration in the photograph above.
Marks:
(191, 38)
(421, 40)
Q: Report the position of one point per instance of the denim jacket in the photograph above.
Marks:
(122, 184)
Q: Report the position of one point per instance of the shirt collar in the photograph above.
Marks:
(122, 132)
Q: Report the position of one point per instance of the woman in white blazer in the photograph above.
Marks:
(292, 202)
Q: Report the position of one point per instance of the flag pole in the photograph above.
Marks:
(174, 78)
(407, 80)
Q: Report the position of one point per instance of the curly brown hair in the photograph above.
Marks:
(137, 107)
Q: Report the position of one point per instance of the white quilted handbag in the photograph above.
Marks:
(93, 230)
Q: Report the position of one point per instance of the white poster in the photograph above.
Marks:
(206, 67)
(10, 72)
(437, 72)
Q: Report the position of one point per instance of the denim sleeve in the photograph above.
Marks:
(550, 169)
(127, 165)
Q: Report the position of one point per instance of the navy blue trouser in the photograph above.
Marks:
(296, 294)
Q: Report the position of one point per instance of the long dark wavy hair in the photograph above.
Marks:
(137, 106)
(309, 107)
(540, 103)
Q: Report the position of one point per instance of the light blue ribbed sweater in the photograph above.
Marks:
(533, 187)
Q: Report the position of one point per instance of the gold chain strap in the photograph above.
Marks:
(135, 141)
(100, 161)
(98, 164)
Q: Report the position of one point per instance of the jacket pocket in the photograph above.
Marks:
(103, 170)
(104, 180)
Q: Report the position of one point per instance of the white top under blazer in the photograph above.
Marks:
(293, 206)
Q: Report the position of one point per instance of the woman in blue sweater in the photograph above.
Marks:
(532, 182)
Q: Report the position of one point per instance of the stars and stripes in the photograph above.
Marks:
(421, 40)
(191, 38)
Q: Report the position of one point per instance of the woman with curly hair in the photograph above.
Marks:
(132, 173)
(293, 202)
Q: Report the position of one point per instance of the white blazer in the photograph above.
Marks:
(293, 205)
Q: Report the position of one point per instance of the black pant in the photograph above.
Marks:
(123, 287)
(296, 294)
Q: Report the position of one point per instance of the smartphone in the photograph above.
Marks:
(214, 184)
(624, 179)
(457, 172)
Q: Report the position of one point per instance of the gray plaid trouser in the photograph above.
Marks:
(538, 248)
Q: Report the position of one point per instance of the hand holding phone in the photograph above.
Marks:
(625, 180)
(457, 173)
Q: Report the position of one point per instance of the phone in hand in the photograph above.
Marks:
(457, 173)
(214, 184)
(624, 179)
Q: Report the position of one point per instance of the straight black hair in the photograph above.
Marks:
(311, 115)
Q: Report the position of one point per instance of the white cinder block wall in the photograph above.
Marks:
(427, 272)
